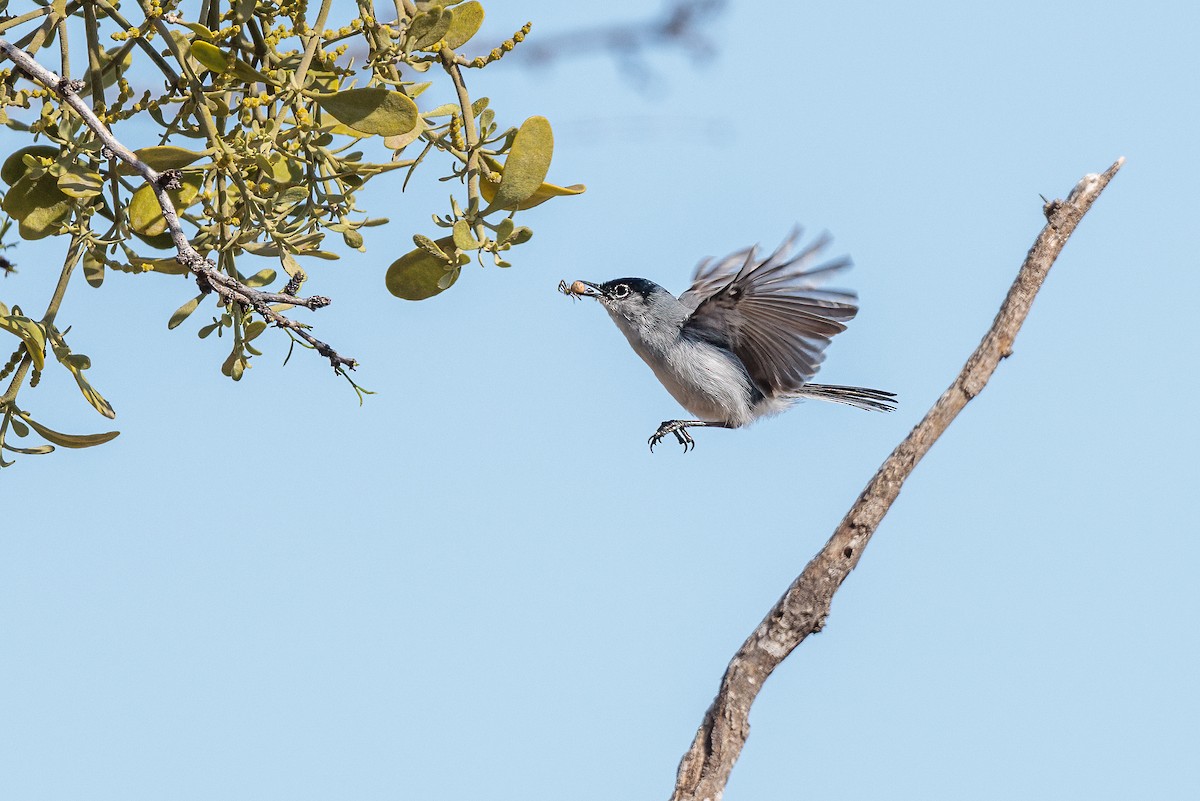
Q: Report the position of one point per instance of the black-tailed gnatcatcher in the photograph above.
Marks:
(743, 341)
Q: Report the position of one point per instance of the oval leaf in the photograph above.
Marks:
(372, 111)
(210, 56)
(14, 166)
(70, 440)
(37, 450)
(429, 27)
(544, 192)
(418, 274)
(465, 24)
(39, 206)
(527, 164)
(247, 73)
(402, 141)
(31, 334)
(260, 278)
(145, 215)
(93, 269)
(464, 239)
(80, 183)
(162, 158)
(184, 311)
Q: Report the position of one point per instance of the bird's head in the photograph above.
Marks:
(629, 298)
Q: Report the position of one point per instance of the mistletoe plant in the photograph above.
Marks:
(263, 119)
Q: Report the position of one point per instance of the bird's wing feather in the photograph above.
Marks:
(773, 314)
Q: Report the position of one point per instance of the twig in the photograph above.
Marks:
(468, 117)
(802, 610)
(209, 277)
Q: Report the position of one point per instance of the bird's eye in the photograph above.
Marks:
(621, 291)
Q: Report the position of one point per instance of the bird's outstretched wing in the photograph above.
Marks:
(772, 314)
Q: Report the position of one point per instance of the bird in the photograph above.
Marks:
(744, 341)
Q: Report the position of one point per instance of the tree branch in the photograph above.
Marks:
(210, 278)
(704, 769)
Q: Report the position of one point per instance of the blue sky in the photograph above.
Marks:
(482, 583)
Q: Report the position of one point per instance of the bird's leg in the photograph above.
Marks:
(679, 429)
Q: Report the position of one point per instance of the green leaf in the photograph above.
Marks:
(465, 24)
(37, 450)
(211, 56)
(419, 274)
(198, 29)
(260, 278)
(70, 440)
(159, 242)
(31, 334)
(76, 363)
(145, 215)
(253, 329)
(39, 205)
(14, 166)
(184, 311)
(504, 229)
(374, 110)
(243, 10)
(429, 28)
(162, 158)
(444, 110)
(432, 248)
(283, 170)
(93, 269)
(401, 141)
(164, 266)
(77, 182)
(292, 196)
(247, 73)
(527, 164)
(235, 364)
(463, 238)
(543, 193)
(91, 395)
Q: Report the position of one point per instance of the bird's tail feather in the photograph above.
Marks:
(859, 397)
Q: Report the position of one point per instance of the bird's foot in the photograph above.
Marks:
(676, 427)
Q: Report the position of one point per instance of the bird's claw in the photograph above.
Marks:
(676, 427)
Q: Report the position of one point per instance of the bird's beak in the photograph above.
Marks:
(580, 289)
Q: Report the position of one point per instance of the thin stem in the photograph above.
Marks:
(95, 69)
(74, 252)
(472, 136)
(18, 379)
(64, 49)
(310, 48)
(26, 17)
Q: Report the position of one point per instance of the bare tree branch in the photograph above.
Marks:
(704, 769)
(209, 277)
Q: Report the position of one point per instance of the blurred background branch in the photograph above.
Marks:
(679, 25)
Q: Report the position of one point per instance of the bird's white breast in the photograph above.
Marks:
(707, 381)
